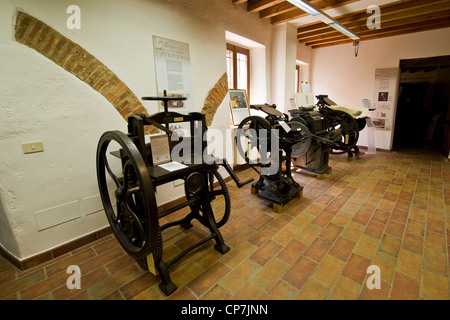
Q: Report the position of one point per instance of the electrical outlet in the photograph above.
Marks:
(32, 147)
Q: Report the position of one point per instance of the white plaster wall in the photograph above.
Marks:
(291, 58)
(260, 76)
(284, 53)
(279, 66)
(304, 54)
(39, 101)
(348, 79)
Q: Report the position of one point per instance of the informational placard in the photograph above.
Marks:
(306, 88)
(173, 72)
(304, 100)
(160, 149)
(384, 98)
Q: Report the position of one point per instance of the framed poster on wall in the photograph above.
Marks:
(238, 106)
(173, 72)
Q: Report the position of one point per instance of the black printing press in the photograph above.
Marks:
(128, 177)
(334, 130)
(350, 121)
(276, 140)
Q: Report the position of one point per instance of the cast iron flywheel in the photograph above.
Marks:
(133, 214)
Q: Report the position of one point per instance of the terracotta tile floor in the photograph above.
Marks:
(387, 210)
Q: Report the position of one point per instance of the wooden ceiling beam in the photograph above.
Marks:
(421, 20)
(311, 27)
(238, 2)
(386, 32)
(387, 35)
(285, 7)
(339, 38)
(254, 6)
(399, 17)
(417, 15)
(389, 9)
(276, 10)
(298, 13)
(388, 12)
(288, 16)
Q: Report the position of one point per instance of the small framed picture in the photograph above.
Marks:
(383, 96)
(239, 106)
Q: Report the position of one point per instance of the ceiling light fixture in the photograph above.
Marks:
(342, 30)
(305, 7)
(309, 8)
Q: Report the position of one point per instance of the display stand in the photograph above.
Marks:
(278, 200)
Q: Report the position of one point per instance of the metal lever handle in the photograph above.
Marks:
(233, 175)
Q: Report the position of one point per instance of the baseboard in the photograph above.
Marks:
(377, 149)
(55, 252)
(75, 244)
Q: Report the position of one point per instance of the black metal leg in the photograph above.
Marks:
(220, 243)
(166, 285)
(186, 223)
(259, 183)
(288, 171)
(357, 152)
(208, 221)
(206, 217)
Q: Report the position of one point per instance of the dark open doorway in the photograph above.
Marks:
(422, 125)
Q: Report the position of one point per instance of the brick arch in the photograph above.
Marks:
(215, 98)
(72, 57)
(37, 35)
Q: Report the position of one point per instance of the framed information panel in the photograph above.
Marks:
(239, 106)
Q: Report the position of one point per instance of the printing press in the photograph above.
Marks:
(334, 130)
(128, 176)
(274, 141)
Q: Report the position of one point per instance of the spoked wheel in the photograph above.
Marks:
(219, 197)
(257, 132)
(301, 134)
(349, 128)
(133, 214)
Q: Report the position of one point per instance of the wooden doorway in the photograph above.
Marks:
(422, 125)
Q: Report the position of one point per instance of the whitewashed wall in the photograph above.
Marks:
(39, 101)
(348, 79)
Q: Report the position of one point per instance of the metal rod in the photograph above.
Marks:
(177, 207)
(171, 224)
(187, 250)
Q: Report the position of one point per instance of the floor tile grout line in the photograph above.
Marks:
(318, 263)
(402, 240)
(424, 240)
(385, 225)
(379, 244)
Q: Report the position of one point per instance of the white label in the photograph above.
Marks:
(285, 126)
